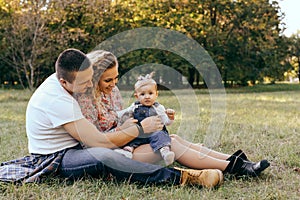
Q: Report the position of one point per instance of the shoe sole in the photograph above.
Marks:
(221, 177)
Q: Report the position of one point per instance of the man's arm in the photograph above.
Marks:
(83, 131)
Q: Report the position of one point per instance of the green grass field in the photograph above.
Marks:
(261, 120)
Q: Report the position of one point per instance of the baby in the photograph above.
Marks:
(146, 94)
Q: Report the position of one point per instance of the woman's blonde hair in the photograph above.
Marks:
(101, 61)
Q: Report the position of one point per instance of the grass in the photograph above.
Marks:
(264, 123)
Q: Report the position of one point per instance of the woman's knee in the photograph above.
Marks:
(174, 139)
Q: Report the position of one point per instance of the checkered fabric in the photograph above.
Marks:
(30, 168)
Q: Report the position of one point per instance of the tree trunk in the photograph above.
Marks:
(191, 79)
(299, 70)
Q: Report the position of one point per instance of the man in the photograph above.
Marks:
(55, 127)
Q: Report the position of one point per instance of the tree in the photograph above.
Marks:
(241, 36)
(26, 39)
(295, 52)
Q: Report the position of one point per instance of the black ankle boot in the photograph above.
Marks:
(239, 167)
(238, 153)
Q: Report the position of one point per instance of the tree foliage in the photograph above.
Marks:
(243, 37)
(294, 48)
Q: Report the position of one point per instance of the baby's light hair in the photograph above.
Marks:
(144, 80)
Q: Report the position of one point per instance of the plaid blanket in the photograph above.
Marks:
(30, 168)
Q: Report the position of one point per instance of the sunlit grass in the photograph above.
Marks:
(265, 124)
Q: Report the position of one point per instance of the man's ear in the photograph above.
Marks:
(63, 82)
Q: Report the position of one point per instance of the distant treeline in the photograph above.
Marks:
(243, 38)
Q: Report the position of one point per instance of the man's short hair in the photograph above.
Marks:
(69, 62)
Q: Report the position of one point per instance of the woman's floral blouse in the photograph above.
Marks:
(102, 110)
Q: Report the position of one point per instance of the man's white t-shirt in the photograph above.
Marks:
(50, 107)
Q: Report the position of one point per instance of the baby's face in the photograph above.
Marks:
(147, 94)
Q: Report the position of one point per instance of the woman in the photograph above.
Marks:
(100, 104)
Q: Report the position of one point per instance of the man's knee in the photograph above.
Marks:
(101, 154)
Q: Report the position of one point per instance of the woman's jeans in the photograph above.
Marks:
(100, 162)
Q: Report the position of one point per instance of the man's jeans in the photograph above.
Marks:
(100, 162)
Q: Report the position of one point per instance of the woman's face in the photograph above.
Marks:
(108, 80)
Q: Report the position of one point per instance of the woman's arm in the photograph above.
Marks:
(125, 114)
(129, 109)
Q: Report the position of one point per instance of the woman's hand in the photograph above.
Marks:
(152, 124)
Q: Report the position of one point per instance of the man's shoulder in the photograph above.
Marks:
(48, 84)
(49, 92)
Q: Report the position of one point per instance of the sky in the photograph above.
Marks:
(291, 8)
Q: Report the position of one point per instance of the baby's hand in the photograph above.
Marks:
(171, 113)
